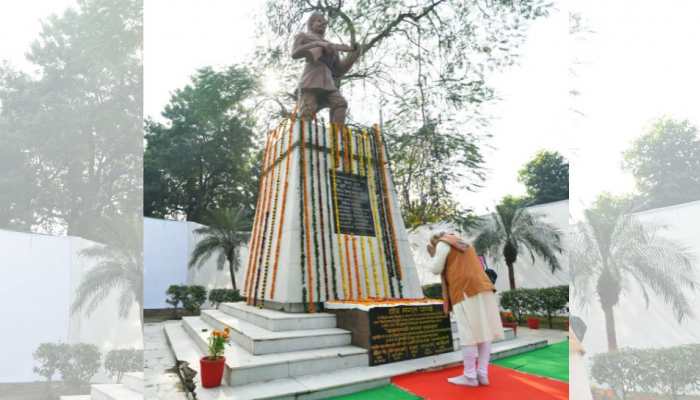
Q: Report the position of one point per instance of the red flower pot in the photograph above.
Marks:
(533, 323)
(513, 325)
(212, 371)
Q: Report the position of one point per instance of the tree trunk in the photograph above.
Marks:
(233, 274)
(610, 328)
(511, 275)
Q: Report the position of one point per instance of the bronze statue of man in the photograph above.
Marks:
(324, 67)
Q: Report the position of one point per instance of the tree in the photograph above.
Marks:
(203, 157)
(509, 230)
(71, 133)
(118, 257)
(225, 232)
(120, 361)
(611, 250)
(665, 163)
(426, 65)
(546, 177)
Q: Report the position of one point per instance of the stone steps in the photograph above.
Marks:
(113, 392)
(260, 341)
(243, 367)
(278, 321)
(131, 388)
(267, 371)
(133, 381)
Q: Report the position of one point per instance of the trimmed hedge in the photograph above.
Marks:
(673, 371)
(545, 302)
(190, 297)
(218, 296)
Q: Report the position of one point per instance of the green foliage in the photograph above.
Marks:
(176, 295)
(218, 296)
(203, 157)
(671, 371)
(426, 193)
(546, 178)
(225, 231)
(119, 361)
(118, 266)
(509, 229)
(612, 251)
(542, 301)
(49, 357)
(71, 129)
(195, 296)
(433, 291)
(553, 300)
(665, 163)
(79, 363)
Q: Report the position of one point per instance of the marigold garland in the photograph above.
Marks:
(330, 210)
(320, 206)
(386, 241)
(310, 293)
(252, 250)
(313, 214)
(282, 211)
(276, 173)
(336, 160)
(269, 176)
(375, 206)
(380, 145)
(353, 239)
(365, 240)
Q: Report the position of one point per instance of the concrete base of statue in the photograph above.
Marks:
(328, 224)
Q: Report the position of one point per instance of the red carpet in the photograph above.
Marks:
(506, 384)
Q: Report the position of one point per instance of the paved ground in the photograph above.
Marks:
(552, 335)
(161, 382)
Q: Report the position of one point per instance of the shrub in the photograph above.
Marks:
(218, 296)
(79, 364)
(553, 300)
(672, 371)
(195, 296)
(176, 295)
(49, 356)
(120, 361)
(433, 291)
(515, 302)
(545, 301)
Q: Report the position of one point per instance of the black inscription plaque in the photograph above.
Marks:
(353, 210)
(407, 332)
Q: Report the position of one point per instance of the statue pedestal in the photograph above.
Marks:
(327, 224)
(395, 331)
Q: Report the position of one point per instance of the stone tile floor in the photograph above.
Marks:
(160, 379)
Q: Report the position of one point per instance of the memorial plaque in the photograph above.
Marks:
(407, 332)
(353, 210)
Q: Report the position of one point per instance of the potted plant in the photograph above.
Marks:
(533, 322)
(508, 321)
(212, 365)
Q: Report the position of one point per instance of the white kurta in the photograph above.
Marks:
(478, 317)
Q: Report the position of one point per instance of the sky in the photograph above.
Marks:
(637, 66)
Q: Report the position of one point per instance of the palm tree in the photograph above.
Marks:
(511, 229)
(225, 232)
(611, 249)
(119, 266)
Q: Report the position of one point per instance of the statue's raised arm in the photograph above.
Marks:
(324, 67)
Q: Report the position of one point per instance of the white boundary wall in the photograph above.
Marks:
(40, 276)
(167, 248)
(527, 273)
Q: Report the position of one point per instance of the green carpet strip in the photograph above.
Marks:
(551, 362)
(388, 392)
